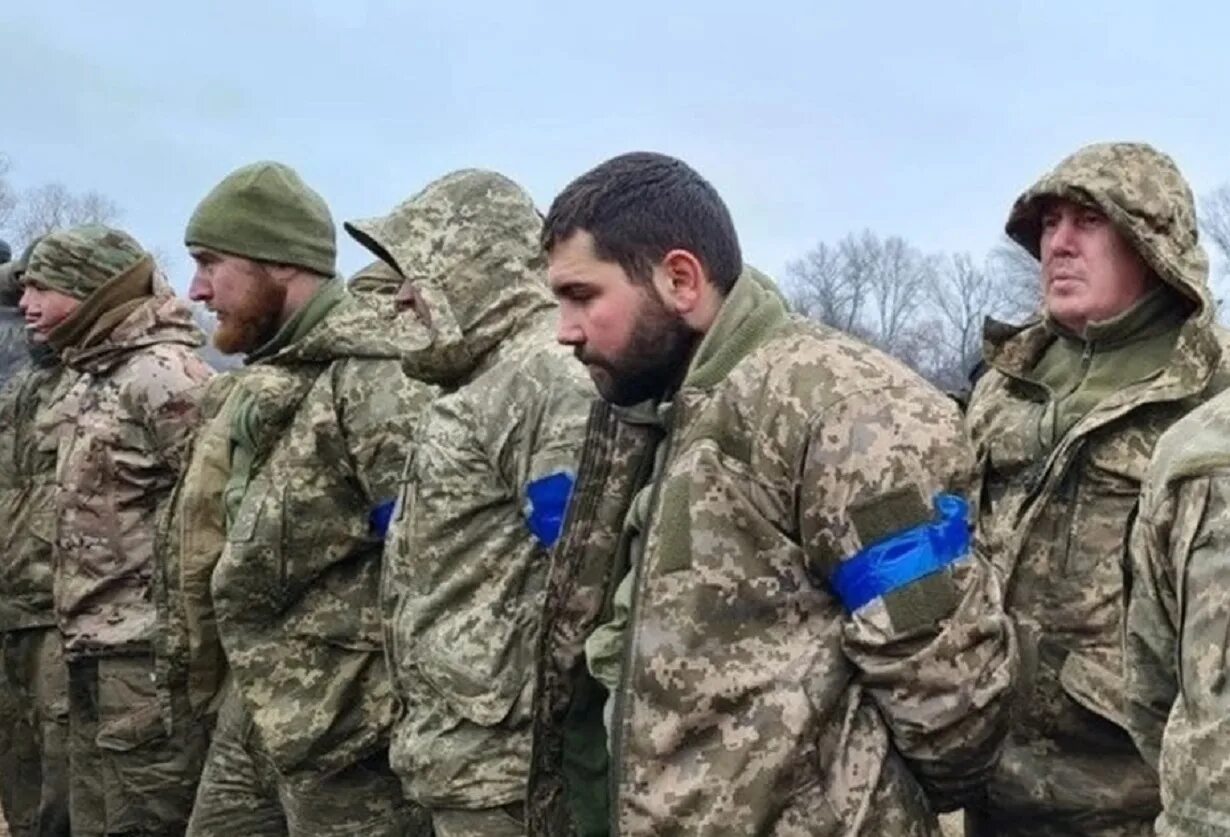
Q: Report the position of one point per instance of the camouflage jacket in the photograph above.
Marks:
(1178, 622)
(752, 701)
(121, 429)
(1055, 520)
(28, 496)
(295, 586)
(469, 553)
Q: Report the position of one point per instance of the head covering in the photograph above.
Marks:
(1142, 192)
(81, 260)
(265, 212)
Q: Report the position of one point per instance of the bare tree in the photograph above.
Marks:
(1215, 221)
(8, 198)
(822, 288)
(52, 207)
(1019, 279)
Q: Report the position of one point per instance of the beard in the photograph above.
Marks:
(651, 364)
(254, 322)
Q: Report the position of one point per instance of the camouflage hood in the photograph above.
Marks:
(1144, 195)
(469, 243)
(352, 329)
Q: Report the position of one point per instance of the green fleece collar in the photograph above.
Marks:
(752, 309)
(1158, 311)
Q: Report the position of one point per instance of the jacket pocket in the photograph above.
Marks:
(129, 712)
(480, 668)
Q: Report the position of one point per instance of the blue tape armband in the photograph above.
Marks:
(902, 558)
(380, 517)
(548, 503)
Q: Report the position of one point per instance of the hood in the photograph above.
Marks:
(352, 329)
(1144, 195)
(161, 318)
(752, 308)
(376, 280)
(470, 244)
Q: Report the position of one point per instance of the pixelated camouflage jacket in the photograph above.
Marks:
(1055, 521)
(752, 701)
(468, 556)
(122, 430)
(295, 589)
(1178, 622)
(28, 495)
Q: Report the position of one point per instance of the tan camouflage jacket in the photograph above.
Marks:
(295, 585)
(1178, 622)
(28, 496)
(122, 429)
(753, 701)
(1055, 522)
(469, 554)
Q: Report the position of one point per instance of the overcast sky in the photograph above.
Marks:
(812, 118)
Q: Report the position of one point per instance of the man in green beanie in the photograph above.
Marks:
(120, 431)
(276, 536)
(33, 677)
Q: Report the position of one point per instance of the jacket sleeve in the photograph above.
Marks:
(1178, 648)
(932, 647)
(1150, 639)
(169, 394)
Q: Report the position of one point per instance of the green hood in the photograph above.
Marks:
(752, 308)
(1145, 196)
(469, 243)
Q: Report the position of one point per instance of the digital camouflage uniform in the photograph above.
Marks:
(1178, 623)
(33, 676)
(284, 510)
(121, 427)
(751, 699)
(469, 555)
(1064, 426)
(376, 281)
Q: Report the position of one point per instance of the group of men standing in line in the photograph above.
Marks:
(568, 526)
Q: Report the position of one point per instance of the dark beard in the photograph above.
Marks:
(256, 322)
(653, 363)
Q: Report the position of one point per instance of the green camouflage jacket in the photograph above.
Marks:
(122, 429)
(13, 350)
(327, 422)
(1055, 518)
(753, 700)
(28, 495)
(1178, 623)
(469, 556)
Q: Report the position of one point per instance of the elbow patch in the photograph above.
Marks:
(902, 567)
(548, 503)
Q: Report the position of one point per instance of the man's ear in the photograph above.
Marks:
(681, 281)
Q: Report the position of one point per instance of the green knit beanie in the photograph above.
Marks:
(81, 260)
(264, 211)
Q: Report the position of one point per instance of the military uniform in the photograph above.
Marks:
(33, 677)
(1064, 425)
(761, 687)
(284, 509)
(484, 498)
(121, 427)
(13, 352)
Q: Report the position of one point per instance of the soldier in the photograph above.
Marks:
(1064, 422)
(279, 525)
(376, 281)
(33, 677)
(12, 326)
(1178, 623)
(766, 582)
(485, 494)
(121, 429)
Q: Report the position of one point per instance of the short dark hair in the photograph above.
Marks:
(640, 206)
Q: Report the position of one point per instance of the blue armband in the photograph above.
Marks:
(902, 558)
(548, 503)
(380, 517)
